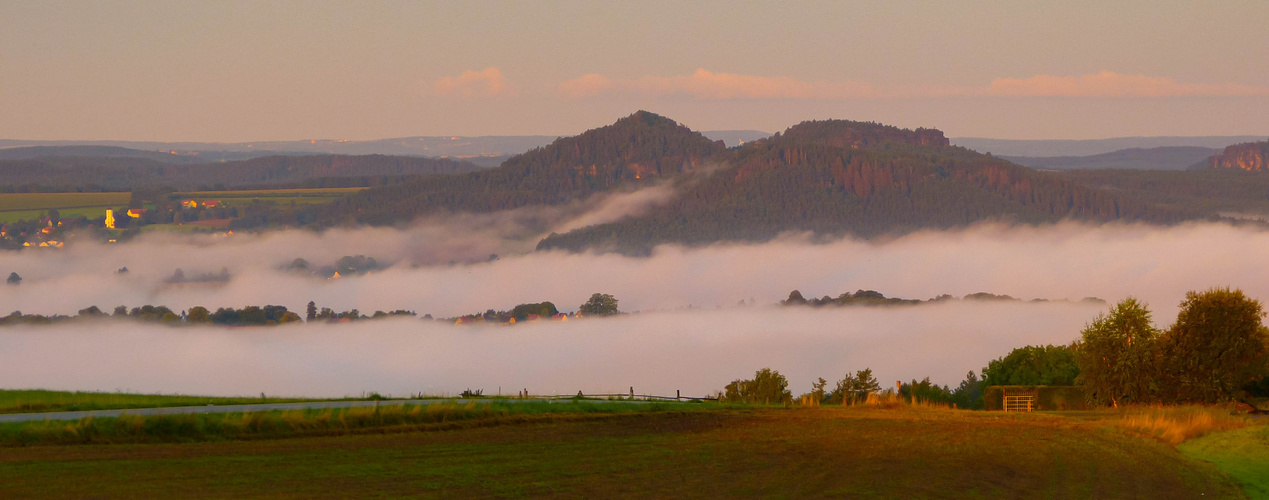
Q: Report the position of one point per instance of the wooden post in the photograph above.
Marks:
(678, 395)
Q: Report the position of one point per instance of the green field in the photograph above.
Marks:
(787, 453)
(1242, 453)
(27, 401)
(280, 196)
(28, 206)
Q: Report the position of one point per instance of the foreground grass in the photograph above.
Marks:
(793, 453)
(31, 401)
(1243, 454)
(299, 423)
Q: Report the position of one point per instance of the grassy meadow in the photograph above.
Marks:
(612, 449)
(28, 206)
(30, 401)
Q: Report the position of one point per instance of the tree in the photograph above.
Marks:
(969, 395)
(599, 304)
(767, 386)
(311, 311)
(542, 309)
(1116, 355)
(1034, 365)
(198, 315)
(1217, 346)
(14, 279)
(120, 311)
(855, 387)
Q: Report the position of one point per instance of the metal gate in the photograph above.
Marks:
(1019, 403)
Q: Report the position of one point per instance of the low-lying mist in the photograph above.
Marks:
(1068, 260)
(697, 352)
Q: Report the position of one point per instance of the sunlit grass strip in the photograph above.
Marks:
(296, 423)
(31, 401)
(1176, 424)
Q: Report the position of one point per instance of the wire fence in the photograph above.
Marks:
(631, 396)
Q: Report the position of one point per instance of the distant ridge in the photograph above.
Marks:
(475, 148)
(1048, 148)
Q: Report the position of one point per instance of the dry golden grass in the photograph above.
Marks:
(1176, 424)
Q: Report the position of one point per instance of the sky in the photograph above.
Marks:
(236, 71)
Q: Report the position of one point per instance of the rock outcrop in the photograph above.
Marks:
(1250, 156)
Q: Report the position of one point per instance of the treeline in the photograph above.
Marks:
(90, 174)
(1216, 351)
(224, 316)
(875, 298)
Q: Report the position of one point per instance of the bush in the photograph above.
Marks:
(767, 386)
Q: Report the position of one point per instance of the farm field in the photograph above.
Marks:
(15, 206)
(246, 197)
(794, 453)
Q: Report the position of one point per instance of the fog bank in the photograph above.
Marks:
(1054, 262)
(696, 352)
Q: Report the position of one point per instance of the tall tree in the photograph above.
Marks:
(311, 311)
(599, 304)
(1116, 355)
(1217, 346)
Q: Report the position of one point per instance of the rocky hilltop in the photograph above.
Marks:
(1250, 156)
(852, 134)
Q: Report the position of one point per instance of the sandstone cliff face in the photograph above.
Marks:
(1249, 156)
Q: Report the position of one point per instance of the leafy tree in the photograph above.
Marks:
(1034, 365)
(925, 391)
(14, 279)
(120, 311)
(310, 313)
(1217, 346)
(599, 304)
(1116, 355)
(855, 387)
(543, 309)
(767, 386)
(795, 299)
(198, 315)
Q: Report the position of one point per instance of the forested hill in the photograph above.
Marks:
(636, 150)
(839, 177)
(123, 173)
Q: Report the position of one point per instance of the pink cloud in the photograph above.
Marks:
(488, 82)
(587, 85)
(707, 85)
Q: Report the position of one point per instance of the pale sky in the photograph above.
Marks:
(257, 70)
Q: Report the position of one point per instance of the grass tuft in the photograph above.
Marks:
(1176, 424)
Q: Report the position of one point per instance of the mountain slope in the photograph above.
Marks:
(636, 150)
(840, 177)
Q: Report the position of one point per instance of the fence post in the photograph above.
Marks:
(678, 395)
(632, 392)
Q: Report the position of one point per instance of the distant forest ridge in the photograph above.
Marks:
(126, 173)
(1089, 147)
(460, 147)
